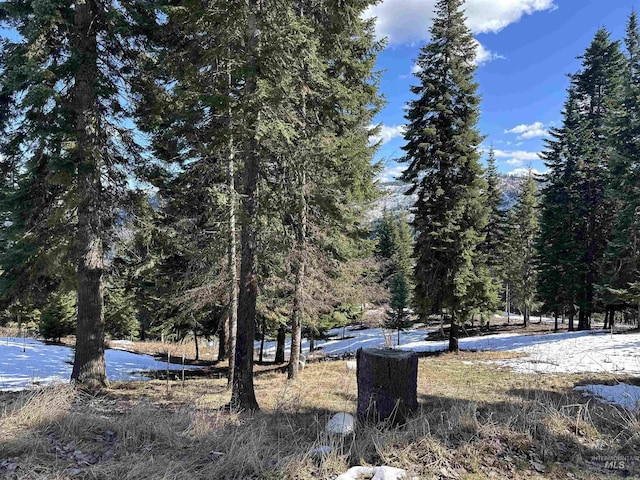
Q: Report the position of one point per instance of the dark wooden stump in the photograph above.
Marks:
(387, 384)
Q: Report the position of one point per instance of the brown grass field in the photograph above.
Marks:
(475, 421)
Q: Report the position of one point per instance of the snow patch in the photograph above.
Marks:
(28, 362)
(624, 395)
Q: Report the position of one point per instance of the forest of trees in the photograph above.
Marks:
(206, 170)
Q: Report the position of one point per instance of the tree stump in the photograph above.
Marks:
(387, 384)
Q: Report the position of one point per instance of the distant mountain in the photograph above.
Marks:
(394, 199)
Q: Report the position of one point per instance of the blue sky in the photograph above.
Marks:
(527, 48)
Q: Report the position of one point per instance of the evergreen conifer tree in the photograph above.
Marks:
(597, 89)
(524, 228)
(494, 243)
(622, 259)
(444, 169)
(67, 145)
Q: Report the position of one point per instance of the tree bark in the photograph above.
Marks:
(195, 339)
(231, 252)
(223, 337)
(280, 342)
(526, 316)
(387, 384)
(89, 369)
(453, 335)
(570, 315)
(555, 320)
(243, 395)
(606, 318)
(582, 319)
(296, 326)
(301, 245)
(262, 335)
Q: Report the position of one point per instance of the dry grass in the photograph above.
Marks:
(186, 347)
(475, 421)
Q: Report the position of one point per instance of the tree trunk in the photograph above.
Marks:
(195, 340)
(606, 318)
(508, 305)
(612, 319)
(582, 319)
(223, 337)
(453, 335)
(280, 342)
(243, 395)
(296, 331)
(570, 315)
(526, 316)
(298, 299)
(555, 320)
(89, 369)
(312, 343)
(232, 317)
(262, 335)
(387, 384)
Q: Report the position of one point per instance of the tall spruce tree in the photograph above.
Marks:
(597, 88)
(298, 135)
(559, 258)
(444, 169)
(524, 228)
(398, 271)
(622, 259)
(65, 89)
(495, 231)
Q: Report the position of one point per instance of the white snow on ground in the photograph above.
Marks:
(41, 363)
(624, 395)
(594, 351)
(354, 339)
(566, 352)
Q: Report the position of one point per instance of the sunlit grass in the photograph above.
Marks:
(475, 420)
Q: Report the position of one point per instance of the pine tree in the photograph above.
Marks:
(494, 243)
(524, 229)
(622, 257)
(58, 316)
(398, 271)
(444, 169)
(597, 89)
(299, 135)
(559, 257)
(385, 232)
(66, 90)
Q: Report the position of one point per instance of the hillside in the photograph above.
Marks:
(395, 199)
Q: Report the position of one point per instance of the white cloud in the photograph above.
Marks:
(390, 174)
(386, 133)
(516, 157)
(536, 129)
(485, 56)
(482, 56)
(523, 172)
(408, 21)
